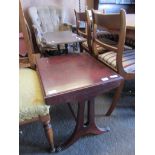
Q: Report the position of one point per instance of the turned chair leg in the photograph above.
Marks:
(48, 132)
(115, 99)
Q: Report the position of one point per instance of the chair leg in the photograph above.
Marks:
(48, 131)
(115, 99)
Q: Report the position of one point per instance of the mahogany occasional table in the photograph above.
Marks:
(76, 77)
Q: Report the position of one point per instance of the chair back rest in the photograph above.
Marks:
(29, 34)
(83, 25)
(46, 18)
(30, 60)
(25, 61)
(113, 23)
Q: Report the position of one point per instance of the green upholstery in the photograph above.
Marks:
(31, 102)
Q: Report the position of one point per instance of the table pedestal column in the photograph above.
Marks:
(82, 128)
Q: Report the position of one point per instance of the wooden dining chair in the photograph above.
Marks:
(84, 28)
(32, 106)
(110, 37)
(83, 18)
(114, 56)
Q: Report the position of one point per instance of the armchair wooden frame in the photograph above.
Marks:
(84, 17)
(112, 23)
(45, 120)
(32, 56)
(30, 62)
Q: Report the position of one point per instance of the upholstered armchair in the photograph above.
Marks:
(47, 19)
(31, 103)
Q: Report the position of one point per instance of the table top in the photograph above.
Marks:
(72, 73)
(62, 37)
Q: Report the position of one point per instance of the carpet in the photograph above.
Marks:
(119, 141)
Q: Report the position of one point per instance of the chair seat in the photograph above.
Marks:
(31, 102)
(128, 59)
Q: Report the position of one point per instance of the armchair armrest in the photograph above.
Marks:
(36, 30)
(39, 36)
(41, 41)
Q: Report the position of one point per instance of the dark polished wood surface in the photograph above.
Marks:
(76, 77)
(72, 74)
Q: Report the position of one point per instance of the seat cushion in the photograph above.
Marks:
(128, 60)
(31, 102)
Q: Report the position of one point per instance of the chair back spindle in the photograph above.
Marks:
(85, 29)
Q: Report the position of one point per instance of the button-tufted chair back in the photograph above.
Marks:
(46, 18)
